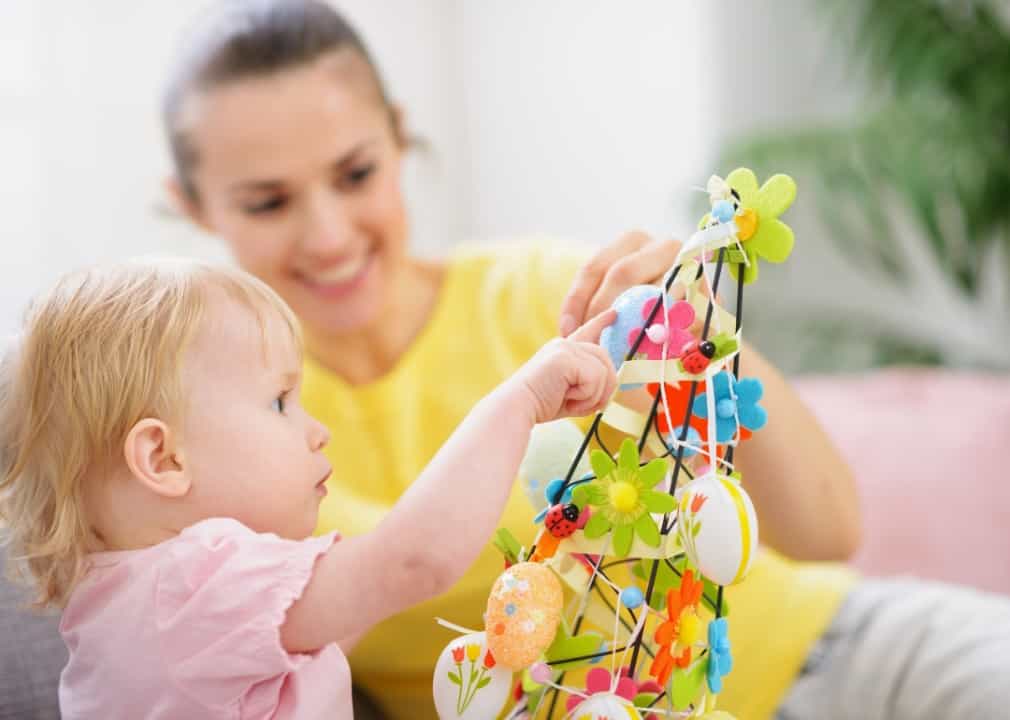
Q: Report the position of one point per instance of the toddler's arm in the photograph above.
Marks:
(439, 526)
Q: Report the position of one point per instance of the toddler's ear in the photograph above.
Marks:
(151, 456)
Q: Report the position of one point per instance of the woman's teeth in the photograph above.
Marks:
(339, 274)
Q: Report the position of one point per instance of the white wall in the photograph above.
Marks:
(584, 119)
(578, 118)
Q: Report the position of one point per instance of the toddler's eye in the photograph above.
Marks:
(280, 402)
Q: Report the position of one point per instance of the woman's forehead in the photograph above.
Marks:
(286, 122)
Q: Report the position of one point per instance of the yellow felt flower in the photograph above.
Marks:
(761, 233)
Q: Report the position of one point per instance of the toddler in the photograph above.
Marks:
(160, 481)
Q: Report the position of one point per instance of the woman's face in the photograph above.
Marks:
(299, 172)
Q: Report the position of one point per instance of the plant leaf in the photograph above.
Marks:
(506, 542)
(686, 684)
(569, 646)
(644, 700)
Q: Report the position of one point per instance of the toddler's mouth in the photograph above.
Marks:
(321, 485)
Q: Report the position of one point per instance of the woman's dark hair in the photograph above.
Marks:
(250, 38)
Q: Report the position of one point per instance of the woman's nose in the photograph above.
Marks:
(328, 227)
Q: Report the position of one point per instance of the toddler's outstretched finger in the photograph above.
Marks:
(590, 332)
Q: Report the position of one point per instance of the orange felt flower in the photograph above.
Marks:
(676, 400)
(678, 634)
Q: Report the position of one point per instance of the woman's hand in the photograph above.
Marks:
(634, 259)
(801, 486)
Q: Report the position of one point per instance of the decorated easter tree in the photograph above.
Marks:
(642, 537)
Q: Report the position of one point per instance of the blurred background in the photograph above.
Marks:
(584, 120)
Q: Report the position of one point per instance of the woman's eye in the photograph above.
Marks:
(265, 206)
(358, 176)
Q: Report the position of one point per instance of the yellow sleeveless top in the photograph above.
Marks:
(496, 308)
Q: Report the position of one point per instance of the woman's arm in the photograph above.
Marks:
(803, 491)
(439, 526)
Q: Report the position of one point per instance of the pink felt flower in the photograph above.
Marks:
(598, 681)
(673, 332)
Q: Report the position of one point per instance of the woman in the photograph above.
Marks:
(287, 146)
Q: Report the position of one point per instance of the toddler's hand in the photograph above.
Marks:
(568, 377)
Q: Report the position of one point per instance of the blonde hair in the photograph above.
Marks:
(98, 353)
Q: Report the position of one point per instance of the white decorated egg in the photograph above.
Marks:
(548, 456)
(469, 682)
(605, 706)
(523, 612)
(718, 528)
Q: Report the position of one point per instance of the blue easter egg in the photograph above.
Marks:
(629, 304)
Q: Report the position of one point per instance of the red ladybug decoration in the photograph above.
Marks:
(697, 356)
(561, 520)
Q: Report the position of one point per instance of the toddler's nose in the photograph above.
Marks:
(319, 435)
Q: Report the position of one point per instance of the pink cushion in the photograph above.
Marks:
(927, 448)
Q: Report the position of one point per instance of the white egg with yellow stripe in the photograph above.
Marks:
(718, 528)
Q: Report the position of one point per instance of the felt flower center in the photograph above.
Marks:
(725, 408)
(623, 496)
(657, 333)
(690, 628)
(747, 224)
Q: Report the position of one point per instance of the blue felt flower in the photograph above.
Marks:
(720, 661)
(691, 442)
(734, 399)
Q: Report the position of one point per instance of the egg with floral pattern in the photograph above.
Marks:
(523, 612)
(469, 682)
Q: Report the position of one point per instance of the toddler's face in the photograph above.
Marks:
(250, 449)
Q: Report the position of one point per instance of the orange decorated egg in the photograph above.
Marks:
(523, 612)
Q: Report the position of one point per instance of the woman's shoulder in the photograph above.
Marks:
(523, 276)
(529, 259)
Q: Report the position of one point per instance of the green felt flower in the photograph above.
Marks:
(761, 233)
(622, 498)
